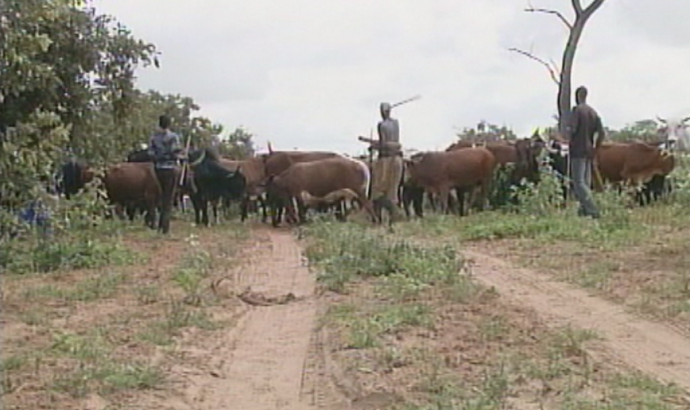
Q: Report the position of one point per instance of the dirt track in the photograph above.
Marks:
(628, 340)
(261, 362)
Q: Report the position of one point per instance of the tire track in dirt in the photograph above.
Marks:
(262, 363)
(647, 346)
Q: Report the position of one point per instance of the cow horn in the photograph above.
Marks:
(270, 148)
(661, 120)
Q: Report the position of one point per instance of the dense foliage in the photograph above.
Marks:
(67, 89)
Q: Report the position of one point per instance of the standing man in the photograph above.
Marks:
(166, 151)
(387, 169)
(585, 122)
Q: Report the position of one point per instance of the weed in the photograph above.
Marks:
(97, 287)
(345, 252)
(108, 378)
(493, 328)
(597, 276)
(147, 295)
(177, 317)
(571, 341)
(194, 268)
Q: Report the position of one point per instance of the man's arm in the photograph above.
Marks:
(574, 123)
(151, 150)
(601, 134)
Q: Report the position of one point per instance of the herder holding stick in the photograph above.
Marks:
(388, 168)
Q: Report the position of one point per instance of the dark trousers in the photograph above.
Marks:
(168, 179)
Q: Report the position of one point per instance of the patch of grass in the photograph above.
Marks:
(345, 252)
(147, 295)
(367, 328)
(196, 266)
(95, 369)
(595, 276)
(177, 317)
(79, 251)
(100, 286)
(493, 328)
(443, 390)
(108, 378)
(632, 391)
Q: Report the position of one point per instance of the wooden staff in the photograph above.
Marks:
(185, 163)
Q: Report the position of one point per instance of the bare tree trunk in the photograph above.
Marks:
(563, 78)
(565, 83)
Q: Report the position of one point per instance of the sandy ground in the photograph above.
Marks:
(650, 347)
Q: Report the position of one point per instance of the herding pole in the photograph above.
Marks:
(186, 163)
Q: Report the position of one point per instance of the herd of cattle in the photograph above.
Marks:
(288, 183)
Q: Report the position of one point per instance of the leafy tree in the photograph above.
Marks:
(487, 132)
(63, 68)
(237, 145)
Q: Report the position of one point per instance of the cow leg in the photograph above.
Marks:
(443, 199)
(262, 203)
(244, 205)
(120, 211)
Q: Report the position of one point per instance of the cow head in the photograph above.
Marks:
(675, 133)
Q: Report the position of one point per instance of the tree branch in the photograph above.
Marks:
(554, 12)
(593, 6)
(552, 70)
(578, 7)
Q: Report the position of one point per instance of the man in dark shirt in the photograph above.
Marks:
(585, 122)
(165, 149)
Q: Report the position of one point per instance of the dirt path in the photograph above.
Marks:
(649, 347)
(260, 363)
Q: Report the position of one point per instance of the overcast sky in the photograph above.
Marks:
(310, 74)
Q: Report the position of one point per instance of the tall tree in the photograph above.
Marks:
(237, 145)
(563, 76)
(486, 131)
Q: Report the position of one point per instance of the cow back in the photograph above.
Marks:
(463, 167)
(131, 181)
(322, 177)
(279, 161)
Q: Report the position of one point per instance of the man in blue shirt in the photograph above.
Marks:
(166, 151)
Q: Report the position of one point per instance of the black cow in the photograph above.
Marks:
(213, 182)
(75, 175)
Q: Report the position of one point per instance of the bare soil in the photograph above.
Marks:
(650, 347)
(271, 349)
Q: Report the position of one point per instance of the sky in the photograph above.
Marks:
(310, 74)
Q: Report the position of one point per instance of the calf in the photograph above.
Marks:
(319, 179)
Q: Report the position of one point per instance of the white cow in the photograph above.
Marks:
(675, 132)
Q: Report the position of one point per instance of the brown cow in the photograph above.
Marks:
(277, 162)
(319, 179)
(131, 183)
(439, 172)
(523, 153)
(633, 163)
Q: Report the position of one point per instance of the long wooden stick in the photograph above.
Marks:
(416, 97)
(185, 164)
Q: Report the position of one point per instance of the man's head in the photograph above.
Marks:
(581, 94)
(164, 122)
(385, 110)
